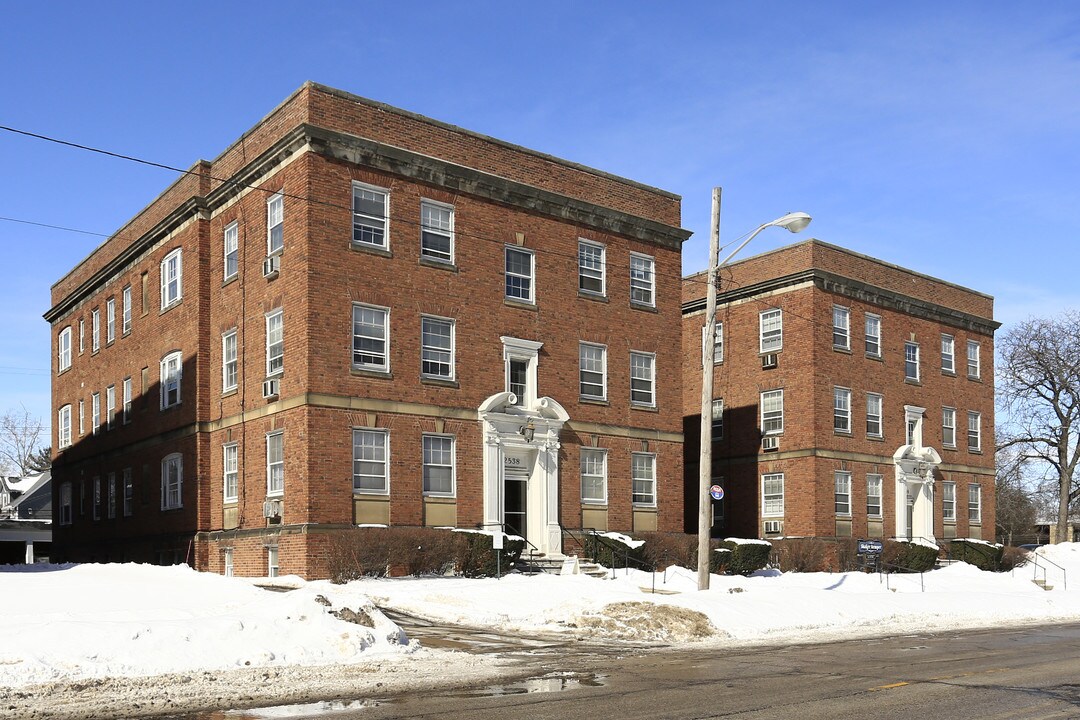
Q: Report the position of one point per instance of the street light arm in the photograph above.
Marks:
(792, 222)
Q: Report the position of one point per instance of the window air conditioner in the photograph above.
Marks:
(272, 509)
(271, 387)
(271, 265)
(770, 443)
(774, 527)
(768, 361)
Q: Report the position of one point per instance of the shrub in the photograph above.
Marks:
(612, 553)
(982, 555)
(746, 556)
(720, 560)
(847, 555)
(799, 555)
(908, 556)
(478, 558)
(1011, 558)
(662, 550)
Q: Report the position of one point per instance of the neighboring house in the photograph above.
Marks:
(355, 315)
(1046, 531)
(25, 518)
(852, 397)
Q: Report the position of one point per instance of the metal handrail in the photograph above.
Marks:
(882, 564)
(498, 553)
(616, 550)
(1035, 558)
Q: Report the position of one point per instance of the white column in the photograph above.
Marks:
(493, 492)
(29, 552)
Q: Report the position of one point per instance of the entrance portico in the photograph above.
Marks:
(914, 465)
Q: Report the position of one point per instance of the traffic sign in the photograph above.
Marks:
(717, 492)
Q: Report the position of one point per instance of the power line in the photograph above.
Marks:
(53, 227)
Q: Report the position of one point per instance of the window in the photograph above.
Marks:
(438, 465)
(97, 498)
(948, 356)
(643, 478)
(948, 501)
(232, 250)
(517, 380)
(95, 330)
(63, 349)
(228, 361)
(369, 461)
(63, 432)
(275, 224)
(172, 276)
(227, 562)
(437, 348)
(642, 383)
(126, 310)
(718, 343)
(82, 335)
(370, 217)
(974, 504)
(771, 328)
(275, 343)
(519, 274)
(275, 463)
(95, 412)
(437, 231)
(841, 327)
(111, 488)
(593, 475)
(82, 418)
(172, 482)
(842, 493)
(65, 503)
(772, 412)
(873, 335)
(371, 337)
(272, 565)
(717, 419)
(110, 320)
(590, 267)
(948, 427)
(911, 361)
(842, 410)
(129, 493)
(873, 415)
(171, 370)
(110, 407)
(592, 362)
(521, 358)
(874, 484)
(973, 361)
(974, 431)
(772, 495)
(231, 467)
(144, 286)
(642, 280)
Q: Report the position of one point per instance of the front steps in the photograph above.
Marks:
(558, 564)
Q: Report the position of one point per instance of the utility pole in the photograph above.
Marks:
(705, 458)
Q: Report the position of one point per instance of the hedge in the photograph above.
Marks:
(747, 557)
(909, 556)
(981, 554)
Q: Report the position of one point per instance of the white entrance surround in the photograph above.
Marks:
(506, 425)
(914, 466)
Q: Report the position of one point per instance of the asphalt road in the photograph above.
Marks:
(1031, 672)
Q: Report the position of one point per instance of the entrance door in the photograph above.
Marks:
(910, 515)
(515, 500)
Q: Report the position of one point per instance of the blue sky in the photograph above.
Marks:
(944, 137)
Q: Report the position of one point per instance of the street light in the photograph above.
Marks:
(793, 222)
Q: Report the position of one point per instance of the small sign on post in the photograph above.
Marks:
(497, 540)
(716, 492)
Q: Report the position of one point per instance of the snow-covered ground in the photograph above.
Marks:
(92, 630)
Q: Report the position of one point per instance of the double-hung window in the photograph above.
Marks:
(772, 412)
(974, 431)
(172, 481)
(591, 268)
(171, 371)
(948, 501)
(593, 475)
(95, 330)
(642, 280)
(97, 497)
(172, 278)
(717, 345)
(519, 274)
(772, 495)
(370, 216)
(129, 493)
(643, 478)
(82, 417)
(275, 463)
(718, 419)
(63, 432)
(371, 338)
(110, 406)
(873, 415)
(95, 412)
(948, 427)
(232, 250)
(370, 455)
(643, 379)
(948, 354)
(65, 503)
(437, 348)
(111, 495)
(911, 361)
(842, 493)
(842, 410)
(437, 231)
(841, 327)
(873, 335)
(438, 468)
(771, 330)
(110, 320)
(229, 374)
(974, 503)
(874, 484)
(82, 335)
(592, 362)
(275, 224)
(230, 458)
(125, 310)
(63, 350)
(275, 343)
(974, 365)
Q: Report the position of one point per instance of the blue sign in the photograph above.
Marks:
(870, 547)
(717, 492)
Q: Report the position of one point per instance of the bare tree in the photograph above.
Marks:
(1016, 510)
(21, 438)
(1039, 389)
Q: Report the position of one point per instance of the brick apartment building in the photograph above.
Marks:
(851, 398)
(354, 315)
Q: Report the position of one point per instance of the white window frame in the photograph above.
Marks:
(948, 427)
(273, 562)
(948, 353)
(428, 463)
(976, 431)
(95, 413)
(873, 335)
(82, 417)
(95, 330)
(841, 327)
(842, 410)
(530, 279)
(640, 363)
(82, 336)
(874, 482)
(125, 310)
(110, 320)
(275, 343)
(63, 424)
(717, 419)
(275, 220)
(842, 493)
(230, 464)
(275, 464)
(948, 502)
(128, 486)
(172, 273)
(718, 344)
(231, 250)
(642, 280)
(587, 365)
(441, 231)
(364, 219)
(432, 354)
(872, 417)
(908, 347)
(772, 503)
(172, 371)
(771, 330)
(63, 350)
(384, 462)
(110, 407)
(230, 369)
(643, 498)
(527, 352)
(65, 504)
(227, 562)
(974, 360)
(592, 267)
(385, 312)
(975, 503)
(172, 493)
(593, 473)
(772, 416)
